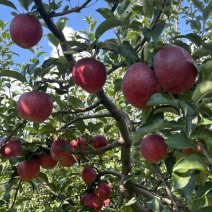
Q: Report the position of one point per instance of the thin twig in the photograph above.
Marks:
(73, 10)
(168, 191)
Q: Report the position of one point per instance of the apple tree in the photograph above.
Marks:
(119, 119)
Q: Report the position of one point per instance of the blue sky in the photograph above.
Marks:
(75, 21)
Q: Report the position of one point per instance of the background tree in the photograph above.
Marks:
(179, 180)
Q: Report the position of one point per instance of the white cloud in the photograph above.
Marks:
(68, 32)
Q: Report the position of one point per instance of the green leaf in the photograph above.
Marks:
(25, 3)
(8, 188)
(8, 3)
(123, 7)
(180, 141)
(13, 74)
(106, 13)
(207, 11)
(110, 44)
(126, 50)
(202, 90)
(61, 23)
(153, 204)
(180, 180)
(198, 4)
(48, 128)
(191, 162)
(158, 29)
(148, 8)
(106, 25)
(163, 99)
(194, 38)
(53, 39)
(191, 116)
(205, 71)
(204, 209)
(167, 9)
(153, 126)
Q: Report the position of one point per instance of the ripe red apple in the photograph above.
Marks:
(139, 84)
(35, 106)
(25, 30)
(28, 170)
(82, 198)
(93, 202)
(46, 161)
(56, 152)
(68, 161)
(153, 148)
(89, 74)
(103, 191)
(174, 69)
(78, 144)
(11, 149)
(89, 174)
(99, 141)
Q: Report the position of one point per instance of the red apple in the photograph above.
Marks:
(35, 106)
(82, 198)
(25, 30)
(92, 202)
(78, 144)
(89, 174)
(68, 161)
(107, 202)
(153, 148)
(56, 150)
(11, 149)
(174, 69)
(46, 161)
(28, 170)
(139, 84)
(103, 191)
(89, 74)
(99, 141)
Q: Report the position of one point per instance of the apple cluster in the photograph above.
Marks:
(99, 192)
(59, 152)
(173, 71)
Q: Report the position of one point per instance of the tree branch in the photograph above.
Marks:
(73, 10)
(78, 110)
(168, 191)
(153, 25)
(84, 117)
(54, 29)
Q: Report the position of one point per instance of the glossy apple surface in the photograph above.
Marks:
(25, 30)
(174, 69)
(35, 106)
(139, 84)
(90, 74)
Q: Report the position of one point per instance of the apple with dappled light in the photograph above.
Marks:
(46, 161)
(25, 30)
(56, 150)
(35, 106)
(93, 202)
(99, 141)
(139, 84)
(89, 174)
(153, 148)
(11, 149)
(90, 74)
(28, 170)
(174, 69)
